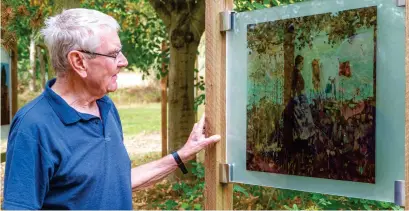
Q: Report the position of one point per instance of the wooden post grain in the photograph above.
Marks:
(407, 110)
(217, 196)
(164, 106)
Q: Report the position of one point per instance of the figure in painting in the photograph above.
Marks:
(331, 89)
(345, 69)
(303, 122)
(298, 121)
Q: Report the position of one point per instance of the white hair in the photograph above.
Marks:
(74, 29)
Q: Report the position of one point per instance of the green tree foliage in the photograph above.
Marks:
(338, 26)
(21, 22)
(142, 32)
(248, 5)
(22, 17)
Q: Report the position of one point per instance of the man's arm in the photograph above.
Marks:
(29, 168)
(150, 173)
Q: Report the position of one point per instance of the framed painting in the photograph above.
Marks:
(315, 97)
(311, 95)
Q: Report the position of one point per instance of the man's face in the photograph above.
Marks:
(102, 70)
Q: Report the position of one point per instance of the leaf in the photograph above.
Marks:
(197, 206)
(367, 207)
(258, 5)
(240, 189)
(287, 207)
(384, 204)
(184, 205)
(176, 187)
(170, 204)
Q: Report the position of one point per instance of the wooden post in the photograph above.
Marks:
(196, 82)
(164, 106)
(217, 196)
(14, 80)
(407, 110)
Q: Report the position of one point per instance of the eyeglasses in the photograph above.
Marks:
(115, 55)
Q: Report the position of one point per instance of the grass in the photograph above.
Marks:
(143, 118)
(139, 108)
(136, 95)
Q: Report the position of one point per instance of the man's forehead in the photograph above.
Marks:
(110, 40)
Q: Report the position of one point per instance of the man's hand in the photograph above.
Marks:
(197, 141)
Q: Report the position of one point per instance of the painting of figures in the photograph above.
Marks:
(311, 96)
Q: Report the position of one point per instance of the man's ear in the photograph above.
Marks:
(78, 63)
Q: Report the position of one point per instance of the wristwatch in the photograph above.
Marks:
(180, 163)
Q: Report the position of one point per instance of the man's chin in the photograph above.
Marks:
(112, 88)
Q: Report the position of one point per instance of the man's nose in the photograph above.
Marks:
(123, 62)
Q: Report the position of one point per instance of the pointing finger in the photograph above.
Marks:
(214, 138)
(202, 122)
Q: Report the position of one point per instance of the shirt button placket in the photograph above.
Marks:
(99, 126)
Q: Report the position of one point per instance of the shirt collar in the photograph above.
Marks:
(66, 113)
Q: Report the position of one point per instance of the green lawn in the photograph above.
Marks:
(142, 118)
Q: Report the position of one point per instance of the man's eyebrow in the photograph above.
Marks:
(117, 50)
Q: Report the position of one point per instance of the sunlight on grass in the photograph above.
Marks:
(142, 118)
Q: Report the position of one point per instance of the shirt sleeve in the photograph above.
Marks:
(27, 174)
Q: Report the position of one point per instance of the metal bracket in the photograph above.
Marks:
(225, 172)
(400, 3)
(226, 21)
(400, 192)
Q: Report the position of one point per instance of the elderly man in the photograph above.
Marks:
(65, 148)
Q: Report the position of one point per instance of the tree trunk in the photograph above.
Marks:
(185, 23)
(42, 67)
(32, 70)
(164, 105)
(181, 96)
(50, 70)
(289, 50)
(289, 47)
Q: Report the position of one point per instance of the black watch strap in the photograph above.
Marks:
(179, 161)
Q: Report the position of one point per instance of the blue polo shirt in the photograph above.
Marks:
(58, 158)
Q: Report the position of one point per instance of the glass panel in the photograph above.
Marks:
(316, 97)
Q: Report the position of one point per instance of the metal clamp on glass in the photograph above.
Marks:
(226, 20)
(179, 162)
(400, 192)
(400, 3)
(225, 173)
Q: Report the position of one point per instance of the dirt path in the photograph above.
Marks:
(143, 143)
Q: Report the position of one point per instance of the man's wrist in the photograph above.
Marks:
(179, 162)
(182, 154)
